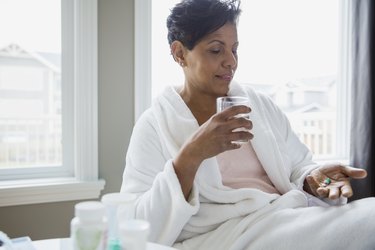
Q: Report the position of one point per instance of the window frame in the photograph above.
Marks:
(344, 75)
(142, 58)
(143, 81)
(78, 179)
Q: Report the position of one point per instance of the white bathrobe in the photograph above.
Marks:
(218, 217)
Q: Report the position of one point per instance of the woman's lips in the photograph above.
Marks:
(226, 77)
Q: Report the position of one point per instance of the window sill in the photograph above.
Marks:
(24, 192)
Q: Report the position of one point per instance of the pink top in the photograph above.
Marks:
(241, 168)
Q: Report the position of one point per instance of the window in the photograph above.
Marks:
(286, 52)
(48, 101)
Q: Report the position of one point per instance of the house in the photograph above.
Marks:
(30, 107)
(310, 107)
(28, 92)
(303, 95)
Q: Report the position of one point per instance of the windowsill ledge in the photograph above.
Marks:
(23, 192)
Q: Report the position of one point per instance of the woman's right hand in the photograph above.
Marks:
(215, 136)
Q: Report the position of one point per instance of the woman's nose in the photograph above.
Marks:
(230, 60)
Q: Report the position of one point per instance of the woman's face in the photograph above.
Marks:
(211, 64)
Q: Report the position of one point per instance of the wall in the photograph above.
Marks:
(116, 77)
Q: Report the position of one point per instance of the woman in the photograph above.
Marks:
(199, 190)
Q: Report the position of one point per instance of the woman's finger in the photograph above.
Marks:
(239, 123)
(322, 192)
(346, 191)
(233, 146)
(241, 136)
(334, 193)
(313, 185)
(356, 173)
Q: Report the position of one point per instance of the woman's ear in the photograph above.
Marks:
(178, 51)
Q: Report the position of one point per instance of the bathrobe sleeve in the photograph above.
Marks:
(150, 174)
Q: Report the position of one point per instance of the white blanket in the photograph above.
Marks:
(218, 217)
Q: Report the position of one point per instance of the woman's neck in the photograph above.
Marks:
(202, 106)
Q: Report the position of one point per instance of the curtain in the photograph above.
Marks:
(362, 146)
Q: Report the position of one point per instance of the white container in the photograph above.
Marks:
(120, 207)
(89, 228)
(134, 234)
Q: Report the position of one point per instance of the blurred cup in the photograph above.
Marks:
(134, 234)
(120, 207)
(229, 101)
(122, 204)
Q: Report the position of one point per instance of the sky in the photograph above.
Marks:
(33, 24)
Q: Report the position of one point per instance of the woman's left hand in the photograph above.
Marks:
(332, 181)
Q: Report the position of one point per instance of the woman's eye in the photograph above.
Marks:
(215, 51)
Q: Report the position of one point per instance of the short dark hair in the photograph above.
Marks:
(191, 20)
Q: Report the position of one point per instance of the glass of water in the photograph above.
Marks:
(229, 101)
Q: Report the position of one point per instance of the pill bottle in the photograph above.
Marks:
(88, 229)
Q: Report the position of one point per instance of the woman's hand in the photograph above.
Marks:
(332, 181)
(216, 135)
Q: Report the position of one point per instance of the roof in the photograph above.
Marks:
(50, 60)
(319, 84)
(306, 108)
